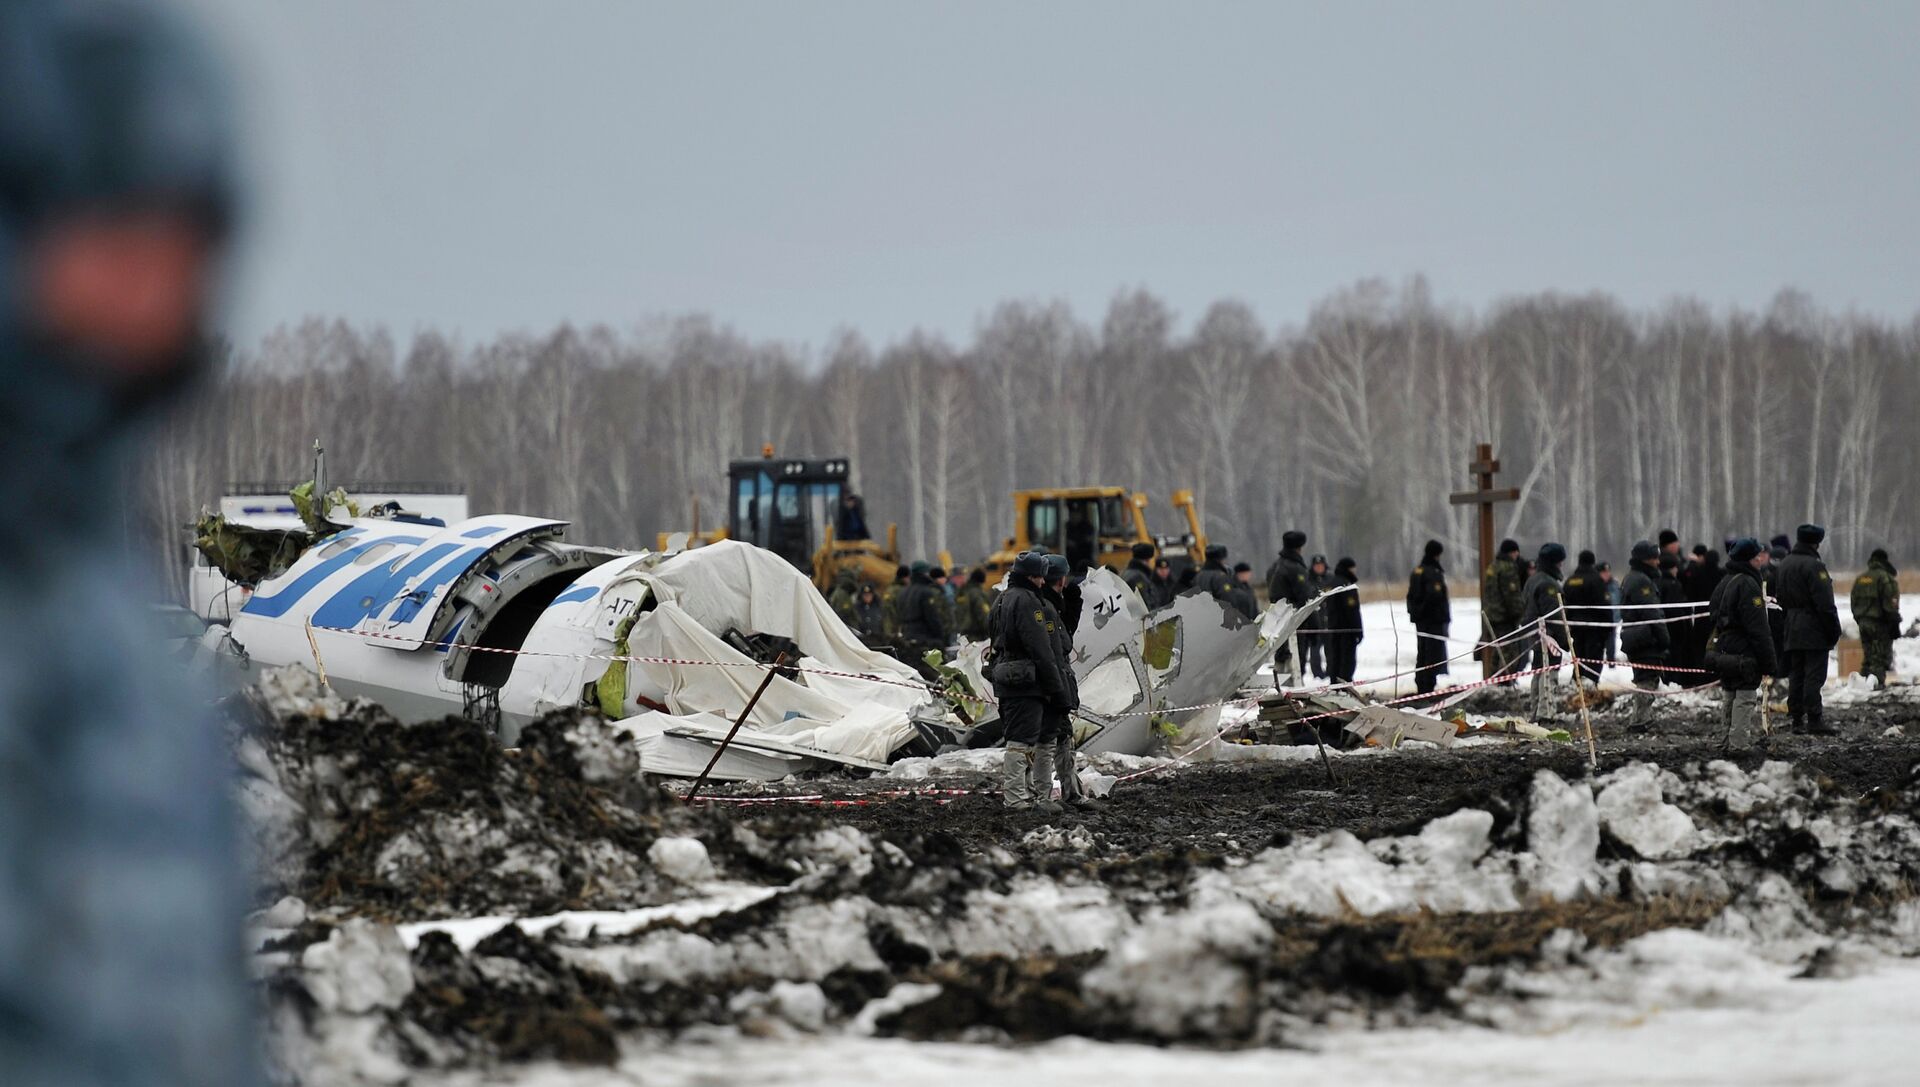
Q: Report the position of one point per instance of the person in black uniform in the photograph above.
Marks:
(1313, 637)
(1240, 592)
(1067, 599)
(1741, 650)
(1544, 614)
(1214, 575)
(1287, 579)
(1343, 617)
(1585, 595)
(1431, 614)
(1645, 637)
(1805, 592)
(1139, 576)
(1027, 676)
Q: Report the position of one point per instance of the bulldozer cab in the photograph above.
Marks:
(1087, 526)
(784, 505)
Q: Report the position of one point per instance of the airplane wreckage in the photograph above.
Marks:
(501, 619)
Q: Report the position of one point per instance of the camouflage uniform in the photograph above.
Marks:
(1501, 603)
(1876, 607)
(120, 893)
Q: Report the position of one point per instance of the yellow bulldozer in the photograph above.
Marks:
(1096, 526)
(793, 508)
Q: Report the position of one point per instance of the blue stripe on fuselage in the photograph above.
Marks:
(372, 591)
(584, 592)
(424, 591)
(272, 607)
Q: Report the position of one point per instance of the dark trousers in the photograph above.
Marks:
(1024, 719)
(1055, 725)
(1429, 659)
(1343, 656)
(1806, 671)
(1313, 647)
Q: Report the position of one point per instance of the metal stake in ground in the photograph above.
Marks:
(1325, 762)
(773, 669)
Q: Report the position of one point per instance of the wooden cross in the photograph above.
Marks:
(1484, 466)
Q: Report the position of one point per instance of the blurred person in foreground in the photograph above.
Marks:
(120, 892)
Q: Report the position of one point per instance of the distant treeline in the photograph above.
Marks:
(1353, 426)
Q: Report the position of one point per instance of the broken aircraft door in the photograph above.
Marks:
(404, 610)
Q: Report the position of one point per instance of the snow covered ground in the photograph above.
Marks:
(1390, 645)
(1750, 1024)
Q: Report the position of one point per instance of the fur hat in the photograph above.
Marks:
(1668, 536)
(1433, 550)
(1744, 549)
(1293, 540)
(1810, 534)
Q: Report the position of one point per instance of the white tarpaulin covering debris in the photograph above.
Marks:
(679, 609)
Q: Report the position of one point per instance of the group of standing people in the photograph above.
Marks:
(1768, 613)
(1330, 640)
(922, 610)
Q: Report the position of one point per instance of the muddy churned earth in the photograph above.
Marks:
(429, 902)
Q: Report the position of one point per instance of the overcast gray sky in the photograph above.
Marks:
(790, 168)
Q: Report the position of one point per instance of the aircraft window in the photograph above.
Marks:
(375, 553)
(1161, 651)
(336, 547)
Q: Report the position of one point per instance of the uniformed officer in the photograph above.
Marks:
(1645, 638)
(1343, 616)
(1027, 676)
(1876, 608)
(1544, 614)
(1428, 608)
(1805, 592)
(1240, 592)
(1287, 579)
(890, 602)
(1214, 575)
(1139, 575)
(1501, 603)
(121, 958)
(971, 604)
(1067, 600)
(1740, 647)
(1585, 595)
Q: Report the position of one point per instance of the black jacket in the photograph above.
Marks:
(1139, 576)
(923, 613)
(1212, 579)
(1740, 621)
(1288, 580)
(1343, 609)
(1241, 597)
(1644, 637)
(870, 620)
(1316, 585)
(1024, 627)
(1427, 602)
(1805, 591)
(1069, 601)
